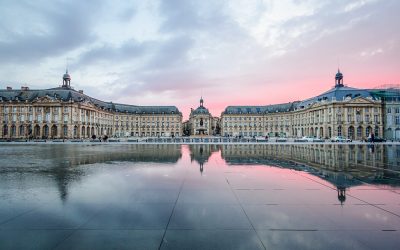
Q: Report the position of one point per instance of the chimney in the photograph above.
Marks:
(24, 88)
(9, 88)
(81, 91)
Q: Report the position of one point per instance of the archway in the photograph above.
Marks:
(21, 130)
(29, 129)
(46, 131)
(350, 132)
(376, 131)
(36, 131)
(5, 130)
(359, 132)
(54, 131)
(368, 131)
(75, 132)
(65, 131)
(13, 131)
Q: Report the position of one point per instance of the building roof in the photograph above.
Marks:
(66, 94)
(284, 107)
(200, 110)
(337, 93)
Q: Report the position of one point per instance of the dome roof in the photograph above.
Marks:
(339, 75)
(66, 76)
(200, 110)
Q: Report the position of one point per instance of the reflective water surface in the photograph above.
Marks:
(199, 196)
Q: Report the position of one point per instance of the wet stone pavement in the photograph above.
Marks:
(199, 196)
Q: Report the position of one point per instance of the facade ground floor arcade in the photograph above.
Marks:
(354, 132)
(52, 131)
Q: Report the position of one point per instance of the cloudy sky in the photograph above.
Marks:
(170, 52)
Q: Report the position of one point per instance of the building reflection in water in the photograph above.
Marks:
(342, 165)
(60, 162)
(200, 153)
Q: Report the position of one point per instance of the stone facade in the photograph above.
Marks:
(66, 113)
(63, 112)
(200, 121)
(341, 111)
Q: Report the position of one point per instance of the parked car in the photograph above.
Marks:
(308, 138)
(376, 139)
(340, 139)
(379, 139)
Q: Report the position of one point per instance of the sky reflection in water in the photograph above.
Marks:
(199, 196)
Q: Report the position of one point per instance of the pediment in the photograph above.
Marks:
(361, 100)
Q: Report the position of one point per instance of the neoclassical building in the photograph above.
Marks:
(63, 112)
(340, 111)
(201, 122)
(390, 96)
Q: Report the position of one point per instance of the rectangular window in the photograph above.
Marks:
(389, 110)
(397, 120)
(358, 118)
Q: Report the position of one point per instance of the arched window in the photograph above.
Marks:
(359, 132)
(376, 132)
(5, 130)
(21, 130)
(13, 130)
(351, 132)
(65, 129)
(367, 131)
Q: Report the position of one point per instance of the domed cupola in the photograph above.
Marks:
(339, 79)
(66, 80)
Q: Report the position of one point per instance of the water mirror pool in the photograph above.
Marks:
(271, 196)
